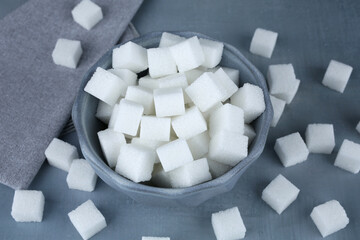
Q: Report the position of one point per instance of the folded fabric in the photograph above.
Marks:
(37, 95)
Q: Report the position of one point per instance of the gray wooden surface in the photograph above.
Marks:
(311, 33)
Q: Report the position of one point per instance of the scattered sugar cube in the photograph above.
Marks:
(160, 62)
(81, 176)
(278, 107)
(228, 147)
(149, 82)
(228, 86)
(154, 128)
(190, 174)
(67, 52)
(320, 138)
(87, 219)
(212, 52)
(28, 206)
(135, 162)
(229, 118)
(128, 117)
(169, 39)
(280, 193)
(152, 144)
(125, 74)
(160, 178)
(190, 124)
(174, 154)
(130, 56)
(249, 132)
(103, 112)
(188, 54)
(263, 42)
(358, 127)
(60, 154)
(228, 224)
(251, 99)
(205, 92)
(348, 156)
(193, 74)
(291, 149)
(155, 238)
(143, 96)
(110, 142)
(217, 169)
(87, 14)
(329, 217)
(337, 76)
(199, 145)
(106, 86)
(169, 102)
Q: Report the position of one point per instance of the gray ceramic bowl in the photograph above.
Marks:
(87, 126)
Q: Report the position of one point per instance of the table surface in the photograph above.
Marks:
(311, 33)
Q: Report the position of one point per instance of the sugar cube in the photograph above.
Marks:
(229, 118)
(169, 39)
(175, 81)
(199, 145)
(190, 174)
(251, 99)
(263, 42)
(160, 178)
(217, 169)
(160, 62)
(103, 112)
(87, 14)
(228, 86)
(337, 76)
(125, 74)
(212, 52)
(249, 132)
(278, 107)
(193, 74)
(152, 144)
(280, 193)
(155, 238)
(348, 156)
(228, 147)
(135, 162)
(28, 206)
(231, 72)
(67, 52)
(149, 82)
(128, 117)
(174, 154)
(169, 102)
(113, 116)
(154, 128)
(110, 142)
(291, 149)
(143, 96)
(60, 154)
(190, 124)
(106, 86)
(130, 56)
(320, 138)
(329, 217)
(81, 176)
(208, 113)
(228, 224)
(358, 127)
(188, 54)
(87, 219)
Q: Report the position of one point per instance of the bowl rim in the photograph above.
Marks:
(104, 171)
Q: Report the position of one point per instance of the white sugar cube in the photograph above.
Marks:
(208, 113)
(190, 124)
(190, 174)
(251, 99)
(152, 144)
(67, 52)
(263, 42)
(228, 147)
(291, 149)
(278, 107)
(193, 74)
(103, 112)
(169, 39)
(348, 156)
(128, 117)
(212, 51)
(160, 178)
(358, 127)
(125, 74)
(188, 54)
(229, 118)
(169, 102)
(60, 154)
(110, 142)
(217, 169)
(87, 219)
(143, 96)
(199, 145)
(228, 224)
(175, 81)
(87, 14)
(28, 206)
(249, 132)
(160, 62)
(174, 154)
(233, 74)
(149, 82)
(130, 56)
(329, 217)
(155, 238)
(81, 176)
(106, 86)
(280, 193)
(113, 116)
(205, 91)
(337, 76)
(228, 86)
(320, 138)
(154, 128)
(135, 162)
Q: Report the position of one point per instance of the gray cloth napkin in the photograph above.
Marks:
(36, 95)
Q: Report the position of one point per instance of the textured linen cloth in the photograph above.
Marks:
(36, 96)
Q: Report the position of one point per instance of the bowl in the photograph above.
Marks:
(87, 126)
